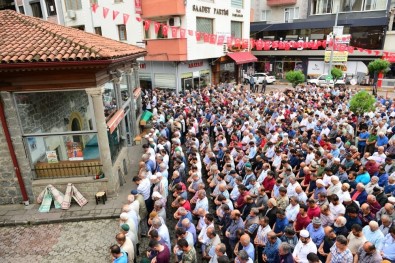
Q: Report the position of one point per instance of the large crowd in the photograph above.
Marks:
(233, 176)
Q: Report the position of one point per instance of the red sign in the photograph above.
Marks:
(195, 64)
(142, 65)
(113, 123)
(137, 6)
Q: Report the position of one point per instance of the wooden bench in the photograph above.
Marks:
(68, 168)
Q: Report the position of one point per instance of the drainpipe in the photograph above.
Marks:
(13, 156)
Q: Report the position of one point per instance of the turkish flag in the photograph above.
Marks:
(244, 44)
(190, 32)
(281, 45)
(198, 35)
(267, 45)
(95, 7)
(182, 33)
(237, 42)
(105, 11)
(114, 14)
(138, 19)
(252, 43)
(147, 23)
(350, 49)
(165, 29)
(323, 43)
(229, 42)
(259, 44)
(287, 46)
(156, 27)
(126, 18)
(174, 31)
(220, 40)
(275, 44)
(213, 39)
(206, 38)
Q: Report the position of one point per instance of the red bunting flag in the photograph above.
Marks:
(368, 51)
(252, 43)
(237, 42)
(206, 38)
(281, 45)
(125, 18)
(275, 44)
(323, 43)
(229, 42)
(220, 40)
(259, 44)
(95, 7)
(105, 11)
(198, 35)
(165, 29)
(213, 39)
(174, 31)
(360, 49)
(182, 32)
(190, 32)
(114, 14)
(244, 44)
(147, 24)
(287, 46)
(137, 18)
(376, 52)
(156, 27)
(266, 45)
(350, 49)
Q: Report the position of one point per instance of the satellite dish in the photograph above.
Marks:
(353, 82)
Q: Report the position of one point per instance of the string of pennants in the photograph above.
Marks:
(233, 42)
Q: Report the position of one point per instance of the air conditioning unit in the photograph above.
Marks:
(71, 14)
(174, 21)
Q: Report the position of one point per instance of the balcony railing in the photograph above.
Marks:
(281, 2)
(157, 8)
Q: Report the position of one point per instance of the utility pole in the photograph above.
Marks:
(334, 44)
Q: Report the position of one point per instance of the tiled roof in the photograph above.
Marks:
(29, 39)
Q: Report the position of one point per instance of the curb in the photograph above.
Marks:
(13, 223)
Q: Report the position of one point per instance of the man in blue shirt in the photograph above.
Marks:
(388, 251)
(316, 231)
(363, 136)
(118, 255)
(382, 140)
(352, 218)
(270, 253)
(281, 223)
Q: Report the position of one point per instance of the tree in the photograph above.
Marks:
(336, 74)
(375, 67)
(295, 77)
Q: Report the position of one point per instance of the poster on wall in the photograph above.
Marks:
(74, 151)
(52, 157)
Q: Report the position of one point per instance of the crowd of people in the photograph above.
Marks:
(233, 176)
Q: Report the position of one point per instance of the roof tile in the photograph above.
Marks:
(31, 39)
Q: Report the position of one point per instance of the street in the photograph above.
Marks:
(86, 241)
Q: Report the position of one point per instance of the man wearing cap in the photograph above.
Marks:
(304, 247)
(316, 231)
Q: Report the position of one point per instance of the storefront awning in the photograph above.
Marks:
(242, 57)
(113, 123)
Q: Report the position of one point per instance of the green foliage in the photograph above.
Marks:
(362, 102)
(336, 74)
(295, 77)
(378, 65)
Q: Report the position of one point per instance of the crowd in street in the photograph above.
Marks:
(279, 177)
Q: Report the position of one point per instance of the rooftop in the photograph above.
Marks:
(25, 39)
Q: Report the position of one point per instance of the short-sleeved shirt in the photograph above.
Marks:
(190, 256)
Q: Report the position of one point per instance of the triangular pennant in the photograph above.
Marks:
(182, 32)
(138, 19)
(190, 32)
(376, 52)
(105, 11)
(126, 18)
(198, 35)
(156, 27)
(95, 7)
(174, 31)
(213, 39)
(165, 29)
(220, 40)
(114, 14)
(147, 23)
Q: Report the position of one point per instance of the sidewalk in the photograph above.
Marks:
(12, 215)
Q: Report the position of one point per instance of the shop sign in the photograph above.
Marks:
(113, 123)
(207, 10)
(343, 39)
(186, 75)
(204, 72)
(238, 13)
(338, 56)
(195, 64)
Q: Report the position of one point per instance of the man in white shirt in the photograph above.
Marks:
(292, 209)
(304, 246)
(202, 202)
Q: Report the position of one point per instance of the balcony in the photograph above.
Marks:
(167, 49)
(156, 8)
(274, 3)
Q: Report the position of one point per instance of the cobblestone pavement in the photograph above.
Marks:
(86, 241)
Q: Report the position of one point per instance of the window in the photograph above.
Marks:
(73, 4)
(204, 25)
(351, 5)
(81, 27)
(98, 30)
(290, 14)
(51, 8)
(375, 5)
(122, 33)
(265, 15)
(321, 7)
(21, 9)
(36, 9)
(236, 29)
(237, 3)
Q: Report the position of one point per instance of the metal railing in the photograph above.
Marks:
(67, 169)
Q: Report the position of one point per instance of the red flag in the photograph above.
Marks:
(369, 51)
(95, 7)
(237, 42)
(259, 44)
(174, 31)
(244, 44)
(206, 38)
(275, 44)
(281, 45)
(252, 43)
(165, 29)
(105, 11)
(138, 19)
(220, 40)
(126, 18)
(229, 42)
(156, 27)
(315, 45)
(360, 49)
(377, 52)
(385, 53)
(287, 46)
(190, 32)
(114, 14)
(147, 23)
(198, 35)
(323, 43)
(213, 39)
(292, 44)
(266, 46)
(350, 49)
(182, 32)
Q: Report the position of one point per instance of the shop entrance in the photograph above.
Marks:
(187, 84)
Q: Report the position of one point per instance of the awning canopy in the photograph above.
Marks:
(242, 57)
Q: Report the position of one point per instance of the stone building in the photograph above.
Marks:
(69, 101)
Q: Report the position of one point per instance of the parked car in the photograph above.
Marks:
(321, 81)
(259, 77)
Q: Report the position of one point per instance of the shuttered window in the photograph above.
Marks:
(204, 25)
(237, 3)
(165, 81)
(236, 29)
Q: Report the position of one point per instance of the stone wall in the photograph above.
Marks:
(9, 188)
